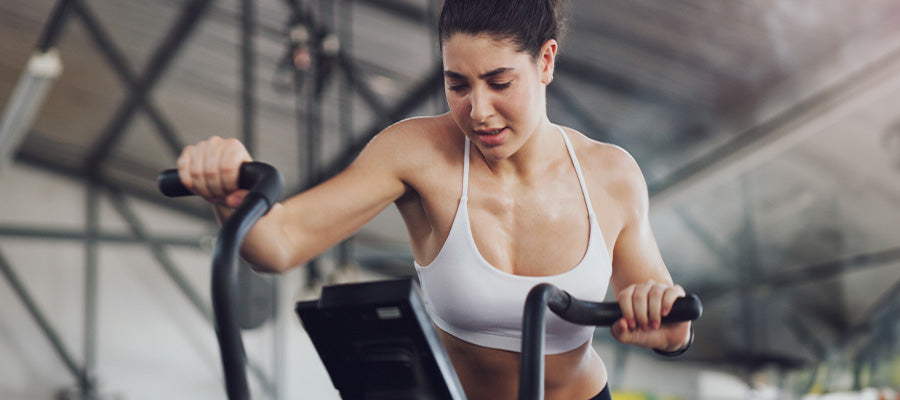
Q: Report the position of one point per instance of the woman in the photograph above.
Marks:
(495, 198)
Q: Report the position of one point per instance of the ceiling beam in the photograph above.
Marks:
(119, 63)
(769, 139)
(158, 63)
(805, 275)
(53, 28)
(51, 163)
(400, 9)
(25, 232)
(620, 85)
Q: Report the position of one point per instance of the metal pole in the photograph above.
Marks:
(53, 28)
(344, 28)
(91, 281)
(248, 81)
(345, 94)
(107, 237)
(432, 15)
(64, 354)
(749, 272)
(313, 111)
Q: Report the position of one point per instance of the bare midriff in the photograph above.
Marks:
(493, 374)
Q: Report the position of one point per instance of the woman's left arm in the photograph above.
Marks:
(640, 280)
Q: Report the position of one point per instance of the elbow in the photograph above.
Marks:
(275, 265)
(268, 268)
(268, 265)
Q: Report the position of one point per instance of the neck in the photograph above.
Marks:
(534, 155)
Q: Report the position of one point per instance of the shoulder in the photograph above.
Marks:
(613, 169)
(417, 132)
(606, 160)
(415, 143)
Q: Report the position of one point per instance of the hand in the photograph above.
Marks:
(210, 169)
(643, 306)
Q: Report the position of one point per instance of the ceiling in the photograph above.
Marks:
(767, 131)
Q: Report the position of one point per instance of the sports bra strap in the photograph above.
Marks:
(465, 188)
(584, 190)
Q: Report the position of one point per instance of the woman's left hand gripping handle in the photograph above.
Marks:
(210, 169)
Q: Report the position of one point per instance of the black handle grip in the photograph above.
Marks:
(260, 178)
(170, 184)
(686, 308)
(583, 312)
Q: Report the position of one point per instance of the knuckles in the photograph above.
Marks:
(210, 163)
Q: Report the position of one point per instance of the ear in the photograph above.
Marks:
(547, 60)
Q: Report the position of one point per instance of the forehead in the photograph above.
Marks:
(476, 54)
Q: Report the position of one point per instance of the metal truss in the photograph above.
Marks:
(139, 88)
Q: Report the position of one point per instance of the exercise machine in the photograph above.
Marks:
(376, 339)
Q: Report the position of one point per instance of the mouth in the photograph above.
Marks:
(492, 137)
(493, 132)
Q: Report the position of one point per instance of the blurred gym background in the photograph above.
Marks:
(768, 132)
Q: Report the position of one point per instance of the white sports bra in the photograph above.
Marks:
(472, 300)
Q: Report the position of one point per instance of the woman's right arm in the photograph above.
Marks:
(303, 226)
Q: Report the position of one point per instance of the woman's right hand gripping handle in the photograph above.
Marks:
(210, 169)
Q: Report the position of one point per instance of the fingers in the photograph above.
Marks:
(624, 298)
(197, 170)
(641, 304)
(212, 171)
(655, 305)
(183, 163)
(210, 168)
(621, 332)
(233, 155)
(669, 297)
(644, 305)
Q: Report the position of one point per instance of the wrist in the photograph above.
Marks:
(680, 349)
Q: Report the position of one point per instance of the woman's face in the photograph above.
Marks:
(496, 94)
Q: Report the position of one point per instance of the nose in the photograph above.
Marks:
(482, 108)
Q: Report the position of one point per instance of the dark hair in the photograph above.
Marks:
(527, 23)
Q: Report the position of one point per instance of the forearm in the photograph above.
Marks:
(300, 228)
(263, 247)
(274, 246)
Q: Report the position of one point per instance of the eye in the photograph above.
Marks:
(501, 86)
(457, 87)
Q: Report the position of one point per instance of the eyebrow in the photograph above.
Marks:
(498, 71)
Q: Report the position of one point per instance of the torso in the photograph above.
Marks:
(510, 245)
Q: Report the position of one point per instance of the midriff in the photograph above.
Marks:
(492, 374)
